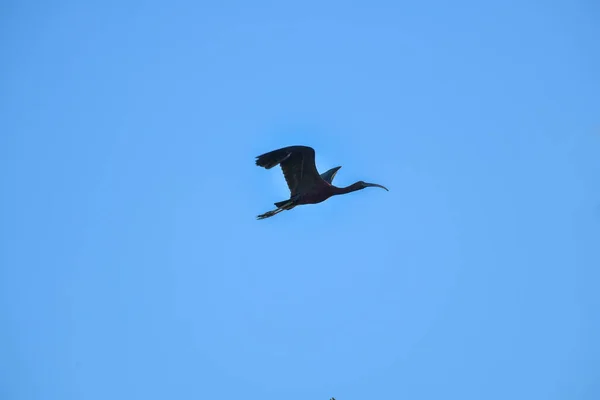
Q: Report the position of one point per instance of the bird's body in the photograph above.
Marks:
(306, 185)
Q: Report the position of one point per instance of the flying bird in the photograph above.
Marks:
(306, 185)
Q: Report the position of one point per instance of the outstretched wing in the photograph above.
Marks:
(297, 164)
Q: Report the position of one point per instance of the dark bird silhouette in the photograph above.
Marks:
(305, 184)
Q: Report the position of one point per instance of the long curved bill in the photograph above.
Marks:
(375, 185)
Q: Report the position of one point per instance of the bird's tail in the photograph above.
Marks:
(272, 158)
(283, 204)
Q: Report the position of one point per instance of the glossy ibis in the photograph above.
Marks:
(305, 184)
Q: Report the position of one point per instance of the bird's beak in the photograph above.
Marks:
(375, 185)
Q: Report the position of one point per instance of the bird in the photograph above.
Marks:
(305, 183)
(329, 175)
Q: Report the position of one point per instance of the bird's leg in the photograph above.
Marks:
(281, 206)
(270, 213)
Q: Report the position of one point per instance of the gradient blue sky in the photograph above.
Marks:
(132, 266)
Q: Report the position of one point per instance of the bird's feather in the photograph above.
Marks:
(297, 164)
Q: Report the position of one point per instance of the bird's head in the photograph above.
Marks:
(363, 184)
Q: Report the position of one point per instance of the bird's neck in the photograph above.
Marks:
(343, 190)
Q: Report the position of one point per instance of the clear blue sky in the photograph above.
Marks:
(132, 265)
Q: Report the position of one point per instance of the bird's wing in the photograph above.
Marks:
(297, 164)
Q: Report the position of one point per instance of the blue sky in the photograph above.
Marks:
(131, 263)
